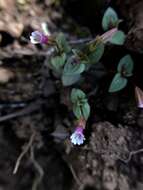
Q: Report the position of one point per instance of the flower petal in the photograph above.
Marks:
(33, 41)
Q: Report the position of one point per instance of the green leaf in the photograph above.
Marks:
(85, 110)
(76, 95)
(81, 107)
(125, 66)
(80, 54)
(58, 61)
(71, 72)
(118, 83)
(81, 111)
(68, 80)
(70, 69)
(118, 38)
(62, 43)
(77, 111)
(110, 19)
(96, 52)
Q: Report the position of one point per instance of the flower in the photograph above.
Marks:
(107, 36)
(77, 138)
(38, 38)
(139, 97)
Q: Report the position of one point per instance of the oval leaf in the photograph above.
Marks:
(77, 111)
(72, 68)
(110, 19)
(118, 38)
(118, 83)
(125, 66)
(77, 94)
(85, 110)
(68, 80)
(97, 53)
(58, 61)
(62, 43)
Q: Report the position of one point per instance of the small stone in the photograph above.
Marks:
(5, 75)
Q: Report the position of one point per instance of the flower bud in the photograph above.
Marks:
(139, 97)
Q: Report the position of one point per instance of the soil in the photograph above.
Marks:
(34, 117)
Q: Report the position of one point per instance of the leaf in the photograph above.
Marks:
(118, 38)
(125, 66)
(110, 19)
(58, 61)
(73, 69)
(76, 95)
(85, 110)
(62, 43)
(118, 83)
(96, 53)
(80, 54)
(77, 111)
(71, 72)
(81, 107)
(68, 80)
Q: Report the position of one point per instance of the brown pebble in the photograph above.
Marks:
(5, 75)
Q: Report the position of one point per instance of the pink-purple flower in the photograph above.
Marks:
(107, 36)
(38, 38)
(77, 138)
(139, 97)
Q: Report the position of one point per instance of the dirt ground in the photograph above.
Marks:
(33, 114)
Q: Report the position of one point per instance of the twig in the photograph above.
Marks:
(130, 155)
(25, 111)
(80, 41)
(35, 52)
(31, 52)
(126, 161)
(74, 175)
(39, 169)
(26, 52)
(76, 178)
(14, 104)
(25, 150)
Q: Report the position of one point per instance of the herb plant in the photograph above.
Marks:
(69, 64)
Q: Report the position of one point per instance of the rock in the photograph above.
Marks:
(5, 75)
(110, 179)
(140, 118)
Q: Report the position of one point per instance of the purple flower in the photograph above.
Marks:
(38, 38)
(77, 138)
